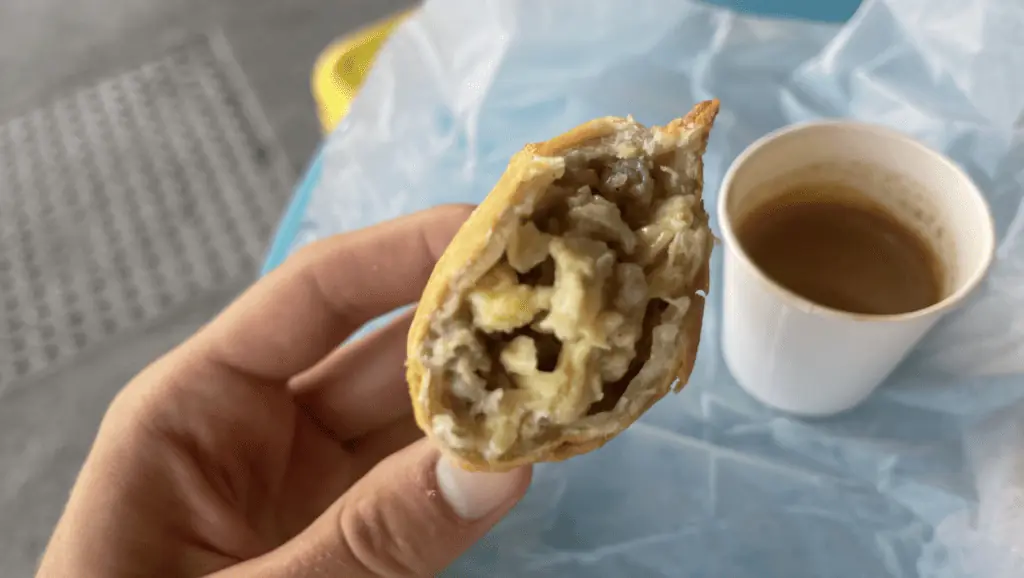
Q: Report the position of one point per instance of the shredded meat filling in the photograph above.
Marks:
(567, 316)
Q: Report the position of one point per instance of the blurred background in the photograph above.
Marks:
(147, 106)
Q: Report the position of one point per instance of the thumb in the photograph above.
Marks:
(411, 516)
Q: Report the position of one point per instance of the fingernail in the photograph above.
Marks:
(474, 495)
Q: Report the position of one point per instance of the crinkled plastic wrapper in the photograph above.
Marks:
(926, 478)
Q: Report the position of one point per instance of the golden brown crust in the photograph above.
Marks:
(529, 171)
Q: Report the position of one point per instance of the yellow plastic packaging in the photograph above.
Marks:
(341, 68)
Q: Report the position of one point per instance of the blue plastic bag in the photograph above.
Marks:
(926, 478)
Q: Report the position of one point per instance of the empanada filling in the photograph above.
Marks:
(581, 315)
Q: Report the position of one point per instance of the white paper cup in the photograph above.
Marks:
(807, 359)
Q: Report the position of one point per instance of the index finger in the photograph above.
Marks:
(293, 317)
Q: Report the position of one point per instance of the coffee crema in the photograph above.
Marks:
(830, 244)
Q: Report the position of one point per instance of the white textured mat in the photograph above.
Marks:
(126, 199)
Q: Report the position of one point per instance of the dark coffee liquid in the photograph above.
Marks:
(828, 244)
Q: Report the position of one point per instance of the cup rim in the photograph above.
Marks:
(803, 304)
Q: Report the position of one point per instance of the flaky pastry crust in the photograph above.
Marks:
(544, 267)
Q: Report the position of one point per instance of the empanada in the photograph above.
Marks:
(571, 299)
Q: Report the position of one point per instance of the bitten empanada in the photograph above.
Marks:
(571, 299)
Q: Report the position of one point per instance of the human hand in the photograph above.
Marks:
(260, 448)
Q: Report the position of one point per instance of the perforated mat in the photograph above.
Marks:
(125, 199)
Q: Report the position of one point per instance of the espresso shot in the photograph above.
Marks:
(830, 244)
